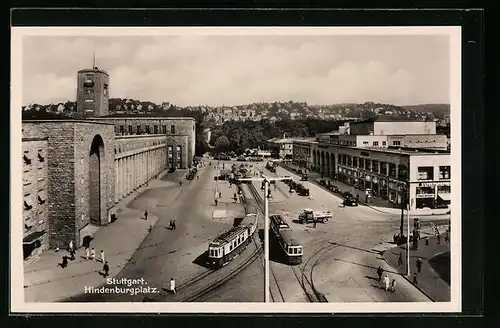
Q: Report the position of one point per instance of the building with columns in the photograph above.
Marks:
(76, 170)
(422, 175)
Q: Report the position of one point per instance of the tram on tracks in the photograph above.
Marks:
(292, 250)
(231, 243)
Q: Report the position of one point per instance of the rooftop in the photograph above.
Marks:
(141, 117)
(66, 120)
(92, 70)
(406, 151)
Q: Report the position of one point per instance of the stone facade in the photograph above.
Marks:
(177, 129)
(68, 154)
(92, 97)
(35, 209)
(89, 168)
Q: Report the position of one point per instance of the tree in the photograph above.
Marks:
(222, 143)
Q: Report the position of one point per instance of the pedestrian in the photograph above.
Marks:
(150, 228)
(438, 238)
(70, 248)
(220, 194)
(357, 198)
(366, 198)
(64, 262)
(216, 202)
(446, 236)
(172, 285)
(343, 203)
(180, 183)
(415, 278)
(314, 224)
(380, 271)
(145, 215)
(102, 256)
(400, 259)
(393, 285)
(419, 265)
(173, 225)
(92, 254)
(426, 241)
(387, 282)
(197, 177)
(87, 253)
(105, 269)
(72, 254)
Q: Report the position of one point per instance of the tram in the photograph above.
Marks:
(292, 250)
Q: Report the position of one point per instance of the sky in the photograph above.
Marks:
(236, 69)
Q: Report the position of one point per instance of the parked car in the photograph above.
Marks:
(349, 199)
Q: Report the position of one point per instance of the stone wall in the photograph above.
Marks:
(183, 127)
(35, 205)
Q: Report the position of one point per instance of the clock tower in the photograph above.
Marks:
(92, 99)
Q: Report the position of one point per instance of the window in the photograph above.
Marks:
(344, 159)
(396, 143)
(156, 129)
(444, 172)
(368, 164)
(361, 163)
(172, 129)
(139, 129)
(40, 157)
(349, 160)
(402, 172)
(42, 196)
(444, 189)
(170, 151)
(392, 170)
(375, 144)
(147, 129)
(383, 168)
(28, 202)
(384, 143)
(375, 166)
(122, 129)
(164, 129)
(425, 173)
(354, 161)
(130, 129)
(365, 143)
(26, 159)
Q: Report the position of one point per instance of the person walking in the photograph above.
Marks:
(70, 248)
(380, 272)
(314, 224)
(92, 254)
(439, 238)
(172, 285)
(419, 265)
(173, 225)
(400, 259)
(216, 201)
(105, 269)
(64, 262)
(145, 215)
(415, 279)
(87, 253)
(387, 282)
(393, 285)
(72, 255)
(102, 256)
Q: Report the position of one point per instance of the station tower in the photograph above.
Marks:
(92, 97)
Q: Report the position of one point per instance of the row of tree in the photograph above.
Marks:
(237, 136)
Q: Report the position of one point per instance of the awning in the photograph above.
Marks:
(29, 239)
(28, 201)
(42, 196)
(446, 196)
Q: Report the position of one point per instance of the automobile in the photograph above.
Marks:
(172, 169)
(302, 191)
(304, 177)
(349, 199)
(322, 182)
(241, 159)
(309, 215)
(334, 188)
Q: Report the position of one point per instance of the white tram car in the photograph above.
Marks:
(292, 249)
(231, 243)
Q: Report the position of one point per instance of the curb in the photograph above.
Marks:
(406, 278)
(286, 167)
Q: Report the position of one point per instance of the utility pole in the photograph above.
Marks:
(266, 181)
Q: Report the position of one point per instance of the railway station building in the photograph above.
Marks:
(76, 170)
(391, 165)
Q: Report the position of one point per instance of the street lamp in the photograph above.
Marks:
(266, 182)
(403, 203)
